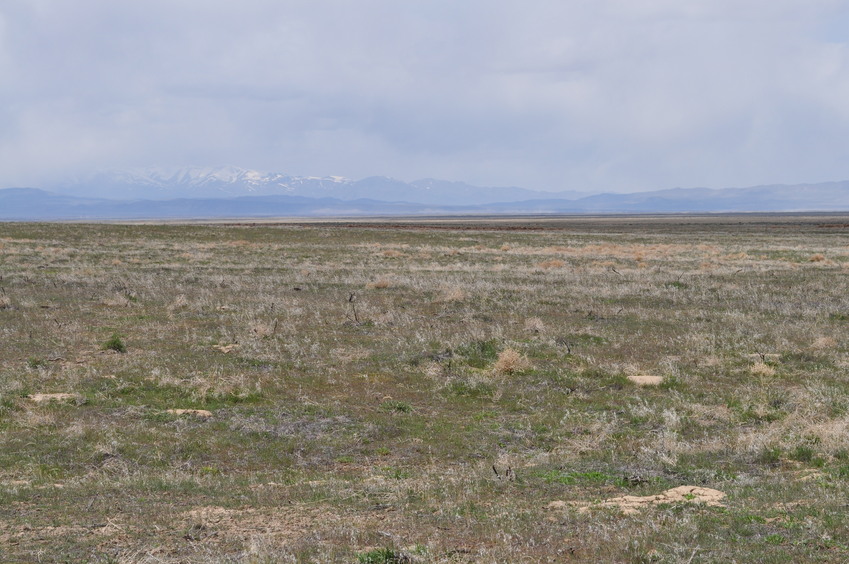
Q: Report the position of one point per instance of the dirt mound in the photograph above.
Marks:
(196, 412)
(646, 380)
(45, 398)
(632, 503)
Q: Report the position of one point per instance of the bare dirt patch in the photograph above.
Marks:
(646, 380)
(196, 412)
(283, 523)
(629, 504)
(58, 397)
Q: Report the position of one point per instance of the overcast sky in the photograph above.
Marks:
(592, 95)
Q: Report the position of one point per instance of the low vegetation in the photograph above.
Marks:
(601, 390)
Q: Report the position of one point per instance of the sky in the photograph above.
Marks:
(588, 95)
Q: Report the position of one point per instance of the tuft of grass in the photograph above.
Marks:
(770, 456)
(479, 354)
(382, 556)
(36, 363)
(115, 343)
(762, 369)
(396, 406)
(511, 361)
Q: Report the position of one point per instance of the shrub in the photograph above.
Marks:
(511, 361)
(382, 556)
(478, 354)
(396, 406)
(35, 363)
(115, 344)
(770, 456)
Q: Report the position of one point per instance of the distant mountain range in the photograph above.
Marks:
(227, 192)
(231, 182)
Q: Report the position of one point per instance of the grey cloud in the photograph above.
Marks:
(608, 94)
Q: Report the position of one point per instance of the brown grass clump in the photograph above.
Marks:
(762, 369)
(379, 284)
(453, 294)
(511, 361)
(817, 258)
(549, 264)
(824, 343)
(392, 253)
(180, 302)
(534, 324)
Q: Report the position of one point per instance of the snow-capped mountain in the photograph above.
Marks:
(236, 193)
(228, 182)
(187, 182)
(195, 192)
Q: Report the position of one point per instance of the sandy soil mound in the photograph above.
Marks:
(45, 398)
(633, 503)
(646, 380)
(195, 412)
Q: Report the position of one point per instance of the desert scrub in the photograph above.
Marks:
(455, 362)
(115, 343)
(511, 361)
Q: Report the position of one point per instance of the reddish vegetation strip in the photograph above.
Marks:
(448, 227)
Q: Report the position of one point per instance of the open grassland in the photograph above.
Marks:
(445, 392)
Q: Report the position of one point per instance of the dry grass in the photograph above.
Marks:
(339, 394)
(511, 361)
(762, 369)
(549, 264)
(379, 284)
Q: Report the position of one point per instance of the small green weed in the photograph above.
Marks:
(114, 343)
(381, 556)
(474, 391)
(803, 453)
(479, 354)
(396, 473)
(770, 456)
(396, 406)
(36, 363)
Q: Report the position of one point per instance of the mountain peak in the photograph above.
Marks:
(163, 183)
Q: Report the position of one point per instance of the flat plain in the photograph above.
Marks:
(588, 389)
